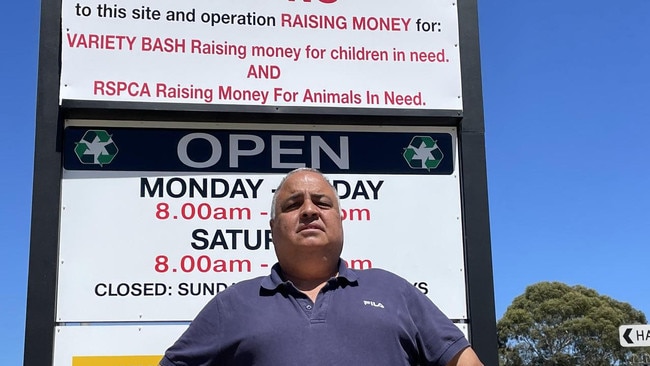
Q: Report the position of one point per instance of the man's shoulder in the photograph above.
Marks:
(380, 275)
(237, 294)
(245, 287)
(384, 281)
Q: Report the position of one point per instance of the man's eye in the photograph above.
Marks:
(292, 206)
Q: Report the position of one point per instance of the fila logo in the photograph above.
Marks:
(373, 304)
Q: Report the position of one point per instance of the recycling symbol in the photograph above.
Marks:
(423, 153)
(96, 147)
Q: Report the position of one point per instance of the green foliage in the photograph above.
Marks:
(553, 324)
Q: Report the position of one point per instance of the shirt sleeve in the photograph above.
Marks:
(200, 344)
(439, 339)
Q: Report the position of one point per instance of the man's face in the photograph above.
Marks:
(307, 219)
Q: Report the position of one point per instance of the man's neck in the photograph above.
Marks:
(309, 279)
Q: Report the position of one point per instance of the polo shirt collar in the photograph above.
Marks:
(274, 280)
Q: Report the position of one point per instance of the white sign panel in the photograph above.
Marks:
(141, 245)
(120, 345)
(335, 53)
(114, 345)
(634, 335)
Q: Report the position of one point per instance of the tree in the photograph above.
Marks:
(553, 324)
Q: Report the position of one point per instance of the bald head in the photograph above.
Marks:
(306, 226)
(275, 194)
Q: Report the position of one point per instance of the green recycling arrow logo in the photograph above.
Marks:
(96, 147)
(423, 152)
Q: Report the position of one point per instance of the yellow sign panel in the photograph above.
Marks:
(116, 360)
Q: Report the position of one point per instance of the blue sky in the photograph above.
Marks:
(566, 88)
(566, 110)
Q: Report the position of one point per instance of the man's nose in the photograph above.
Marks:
(309, 209)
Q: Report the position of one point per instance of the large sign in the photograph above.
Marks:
(137, 223)
(155, 222)
(335, 53)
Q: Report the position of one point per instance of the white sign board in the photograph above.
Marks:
(335, 53)
(157, 245)
(634, 335)
(114, 345)
(120, 345)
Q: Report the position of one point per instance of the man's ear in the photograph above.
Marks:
(271, 223)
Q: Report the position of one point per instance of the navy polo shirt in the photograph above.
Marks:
(369, 317)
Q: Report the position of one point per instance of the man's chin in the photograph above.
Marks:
(311, 232)
(314, 240)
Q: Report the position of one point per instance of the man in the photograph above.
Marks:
(312, 309)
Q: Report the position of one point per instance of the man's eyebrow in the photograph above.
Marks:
(290, 199)
(319, 195)
(301, 194)
(294, 196)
